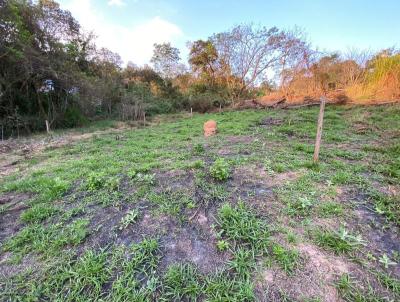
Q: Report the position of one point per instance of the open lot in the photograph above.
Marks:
(160, 213)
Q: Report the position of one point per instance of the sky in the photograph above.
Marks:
(131, 27)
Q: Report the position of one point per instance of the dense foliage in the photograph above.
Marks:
(51, 70)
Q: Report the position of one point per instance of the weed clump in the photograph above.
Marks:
(220, 170)
(98, 180)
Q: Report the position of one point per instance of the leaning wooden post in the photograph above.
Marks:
(319, 130)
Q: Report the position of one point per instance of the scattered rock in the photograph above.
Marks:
(202, 219)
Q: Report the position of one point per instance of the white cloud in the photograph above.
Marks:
(134, 43)
(116, 3)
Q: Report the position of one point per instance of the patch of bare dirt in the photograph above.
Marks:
(189, 245)
(382, 236)
(259, 175)
(14, 204)
(270, 121)
(315, 278)
(8, 268)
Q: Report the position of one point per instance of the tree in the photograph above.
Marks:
(203, 58)
(166, 60)
(248, 53)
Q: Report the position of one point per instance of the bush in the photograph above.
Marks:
(220, 170)
(73, 117)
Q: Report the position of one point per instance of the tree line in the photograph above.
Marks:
(51, 70)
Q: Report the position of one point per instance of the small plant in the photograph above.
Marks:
(339, 242)
(198, 149)
(222, 245)
(132, 174)
(112, 183)
(95, 181)
(287, 259)
(198, 164)
(300, 207)
(243, 262)
(220, 170)
(129, 218)
(145, 178)
(329, 209)
(385, 260)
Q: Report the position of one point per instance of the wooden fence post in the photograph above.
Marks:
(319, 130)
(191, 112)
(144, 118)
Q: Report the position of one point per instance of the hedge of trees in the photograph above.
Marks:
(51, 70)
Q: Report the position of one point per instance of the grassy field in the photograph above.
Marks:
(162, 214)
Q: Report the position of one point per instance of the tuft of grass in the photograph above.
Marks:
(243, 262)
(350, 291)
(83, 280)
(388, 206)
(220, 287)
(337, 241)
(49, 240)
(198, 149)
(136, 280)
(181, 282)
(389, 282)
(171, 202)
(240, 225)
(329, 209)
(287, 259)
(38, 213)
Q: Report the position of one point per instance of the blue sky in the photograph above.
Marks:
(130, 27)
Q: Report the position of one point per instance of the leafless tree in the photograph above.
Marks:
(249, 52)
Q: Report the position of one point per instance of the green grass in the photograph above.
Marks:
(242, 227)
(220, 170)
(181, 282)
(330, 209)
(38, 213)
(288, 260)
(47, 239)
(339, 242)
(350, 291)
(89, 210)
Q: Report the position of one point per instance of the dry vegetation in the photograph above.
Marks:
(51, 70)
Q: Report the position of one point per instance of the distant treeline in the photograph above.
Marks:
(51, 69)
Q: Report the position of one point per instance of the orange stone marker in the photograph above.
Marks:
(210, 128)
